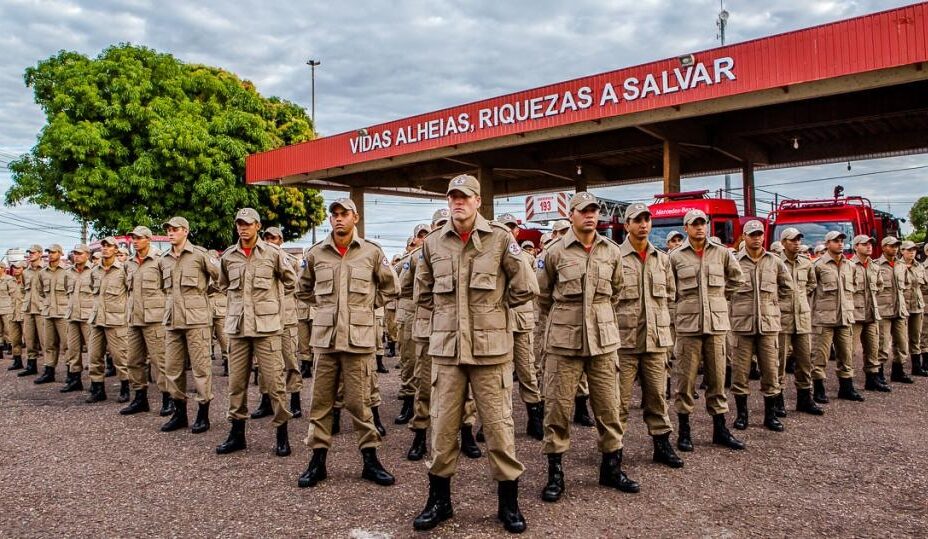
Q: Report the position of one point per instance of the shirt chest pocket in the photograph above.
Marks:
(151, 280)
(570, 279)
(630, 280)
(190, 279)
(829, 282)
(768, 281)
(325, 281)
(264, 277)
(360, 282)
(235, 277)
(687, 277)
(604, 279)
(484, 275)
(716, 275)
(167, 278)
(443, 270)
(659, 283)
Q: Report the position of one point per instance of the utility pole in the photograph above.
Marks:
(312, 77)
(721, 23)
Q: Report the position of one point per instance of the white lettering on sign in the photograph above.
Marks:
(530, 109)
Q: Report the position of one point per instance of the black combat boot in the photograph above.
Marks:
(919, 366)
(664, 453)
(468, 445)
(535, 427)
(897, 374)
(296, 407)
(805, 403)
(754, 373)
(406, 412)
(418, 447)
(48, 375)
(555, 486)
(373, 469)
(847, 392)
(336, 421)
(818, 392)
(17, 364)
(507, 508)
(873, 383)
(138, 404)
(721, 435)
(178, 418)
(790, 367)
(611, 474)
(264, 408)
(391, 348)
(225, 366)
(31, 368)
(123, 391)
(438, 507)
(881, 375)
(380, 368)
(727, 377)
(306, 369)
(97, 392)
(72, 383)
(202, 422)
(377, 423)
(167, 405)
(480, 437)
(110, 367)
(315, 472)
(684, 439)
(741, 418)
(780, 405)
(582, 413)
(235, 441)
(282, 447)
(771, 422)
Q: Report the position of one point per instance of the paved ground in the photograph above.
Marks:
(73, 469)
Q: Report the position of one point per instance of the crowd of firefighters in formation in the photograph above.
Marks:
(468, 311)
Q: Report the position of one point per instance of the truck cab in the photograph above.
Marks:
(668, 210)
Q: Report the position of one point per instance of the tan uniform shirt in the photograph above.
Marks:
(146, 297)
(579, 291)
(32, 290)
(868, 280)
(642, 310)
(755, 306)
(405, 306)
(54, 291)
(81, 299)
(891, 298)
(914, 281)
(111, 295)
(20, 301)
(522, 317)
(289, 293)
(702, 284)
(255, 288)
(10, 295)
(795, 311)
(469, 287)
(345, 290)
(833, 299)
(185, 280)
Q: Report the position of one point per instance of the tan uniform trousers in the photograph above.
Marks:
(766, 347)
(421, 418)
(55, 341)
(78, 338)
(33, 332)
(270, 362)
(292, 378)
(897, 330)
(924, 342)
(407, 350)
(651, 369)
(915, 334)
(103, 340)
(375, 401)
(304, 332)
(222, 340)
(800, 346)
(690, 351)
(539, 345)
(492, 390)
(12, 333)
(523, 356)
(562, 377)
(822, 339)
(146, 350)
(179, 345)
(355, 371)
(6, 321)
(868, 335)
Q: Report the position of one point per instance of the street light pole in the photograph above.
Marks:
(312, 68)
(722, 22)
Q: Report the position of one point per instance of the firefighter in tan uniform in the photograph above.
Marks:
(405, 316)
(470, 274)
(257, 276)
(923, 346)
(755, 322)
(10, 299)
(186, 272)
(421, 331)
(217, 304)
(644, 330)
(33, 322)
(80, 306)
(915, 304)
(146, 327)
(704, 272)
(346, 278)
(54, 279)
(894, 315)
(304, 330)
(796, 322)
(832, 318)
(108, 322)
(867, 282)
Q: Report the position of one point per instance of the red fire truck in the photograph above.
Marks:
(669, 208)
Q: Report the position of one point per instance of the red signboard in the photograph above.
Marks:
(879, 41)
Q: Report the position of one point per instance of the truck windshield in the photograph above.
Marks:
(661, 227)
(814, 233)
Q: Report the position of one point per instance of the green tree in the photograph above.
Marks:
(134, 136)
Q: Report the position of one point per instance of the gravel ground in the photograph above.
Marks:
(73, 469)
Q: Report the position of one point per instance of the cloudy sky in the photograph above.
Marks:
(386, 60)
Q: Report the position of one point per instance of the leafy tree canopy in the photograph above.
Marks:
(135, 136)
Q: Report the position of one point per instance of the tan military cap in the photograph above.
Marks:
(344, 203)
(247, 215)
(890, 240)
(835, 235)
(420, 228)
(692, 215)
(862, 238)
(790, 233)
(122, 250)
(672, 234)
(273, 231)
(466, 184)
(109, 240)
(81, 248)
(559, 225)
(34, 248)
(753, 227)
(142, 232)
(776, 247)
(906, 245)
(820, 248)
(545, 238)
(528, 245)
(55, 248)
(508, 219)
(582, 200)
(176, 222)
(440, 215)
(97, 255)
(635, 210)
